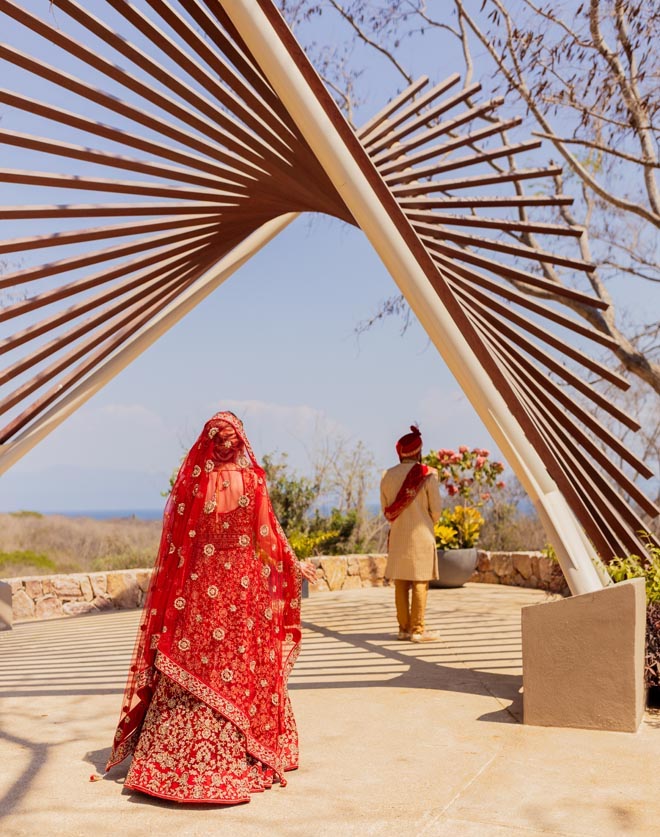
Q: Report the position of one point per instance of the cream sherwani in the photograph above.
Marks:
(411, 551)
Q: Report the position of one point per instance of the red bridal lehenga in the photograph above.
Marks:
(206, 713)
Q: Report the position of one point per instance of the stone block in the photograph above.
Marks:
(334, 568)
(6, 606)
(483, 561)
(16, 584)
(490, 578)
(143, 577)
(352, 582)
(353, 567)
(321, 586)
(123, 589)
(501, 564)
(22, 606)
(522, 563)
(34, 587)
(78, 608)
(545, 569)
(99, 583)
(583, 659)
(66, 587)
(48, 586)
(372, 568)
(103, 602)
(86, 589)
(48, 607)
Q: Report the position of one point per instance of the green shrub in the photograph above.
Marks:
(125, 559)
(632, 566)
(24, 513)
(25, 559)
(305, 545)
(652, 667)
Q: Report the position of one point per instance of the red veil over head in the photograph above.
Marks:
(222, 613)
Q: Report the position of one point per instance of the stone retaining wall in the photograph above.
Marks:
(520, 569)
(48, 597)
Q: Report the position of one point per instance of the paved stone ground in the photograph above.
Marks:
(395, 738)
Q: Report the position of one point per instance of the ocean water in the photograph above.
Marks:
(111, 514)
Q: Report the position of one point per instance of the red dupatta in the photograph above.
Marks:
(408, 491)
(222, 613)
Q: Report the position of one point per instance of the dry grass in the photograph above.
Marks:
(34, 544)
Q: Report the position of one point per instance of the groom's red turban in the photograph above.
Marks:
(410, 445)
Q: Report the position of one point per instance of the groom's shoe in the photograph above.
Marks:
(425, 636)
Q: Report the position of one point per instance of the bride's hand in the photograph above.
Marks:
(309, 571)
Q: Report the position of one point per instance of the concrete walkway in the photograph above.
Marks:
(396, 739)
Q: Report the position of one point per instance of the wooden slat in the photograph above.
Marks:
(151, 257)
(129, 187)
(540, 398)
(260, 136)
(447, 147)
(393, 105)
(238, 184)
(73, 120)
(428, 232)
(114, 341)
(501, 224)
(400, 115)
(120, 298)
(474, 180)
(106, 210)
(615, 517)
(595, 519)
(569, 405)
(47, 374)
(16, 245)
(472, 277)
(136, 279)
(473, 295)
(257, 95)
(440, 167)
(229, 133)
(109, 253)
(234, 50)
(426, 118)
(439, 130)
(505, 331)
(139, 115)
(483, 201)
(514, 274)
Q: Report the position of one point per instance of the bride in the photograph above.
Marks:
(206, 712)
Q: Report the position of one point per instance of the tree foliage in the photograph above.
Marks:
(586, 74)
(326, 513)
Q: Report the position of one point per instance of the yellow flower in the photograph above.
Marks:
(458, 528)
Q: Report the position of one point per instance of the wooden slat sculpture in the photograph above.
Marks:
(236, 134)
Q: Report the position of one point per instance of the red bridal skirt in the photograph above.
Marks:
(188, 752)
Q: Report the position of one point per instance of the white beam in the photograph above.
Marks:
(574, 552)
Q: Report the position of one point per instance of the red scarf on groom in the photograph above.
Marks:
(408, 491)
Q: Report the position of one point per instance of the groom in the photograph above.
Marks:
(410, 500)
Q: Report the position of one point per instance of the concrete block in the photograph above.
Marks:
(6, 612)
(583, 659)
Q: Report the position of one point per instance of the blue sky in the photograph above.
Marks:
(276, 344)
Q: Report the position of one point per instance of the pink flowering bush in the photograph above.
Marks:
(469, 475)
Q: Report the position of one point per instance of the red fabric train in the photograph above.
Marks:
(206, 711)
